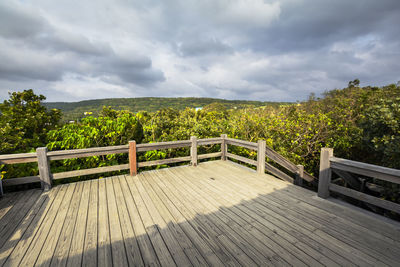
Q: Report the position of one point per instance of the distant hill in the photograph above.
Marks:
(75, 110)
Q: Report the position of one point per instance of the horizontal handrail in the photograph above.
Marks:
(43, 157)
(18, 158)
(241, 143)
(330, 163)
(370, 170)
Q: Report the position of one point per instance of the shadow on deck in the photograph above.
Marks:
(214, 214)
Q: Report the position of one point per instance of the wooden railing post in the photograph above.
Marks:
(224, 147)
(1, 188)
(44, 168)
(132, 158)
(261, 156)
(325, 172)
(193, 151)
(299, 175)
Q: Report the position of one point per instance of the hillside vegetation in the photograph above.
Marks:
(76, 110)
(358, 123)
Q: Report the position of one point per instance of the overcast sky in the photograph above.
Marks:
(280, 50)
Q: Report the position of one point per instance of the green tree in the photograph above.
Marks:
(25, 122)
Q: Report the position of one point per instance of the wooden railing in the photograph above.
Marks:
(346, 168)
(46, 177)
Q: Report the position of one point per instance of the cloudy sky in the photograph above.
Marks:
(279, 50)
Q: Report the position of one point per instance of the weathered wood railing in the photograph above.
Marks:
(46, 177)
(345, 168)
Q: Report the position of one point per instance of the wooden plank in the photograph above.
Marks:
(87, 152)
(209, 141)
(231, 229)
(206, 229)
(61, 251)
(180, 250)
(182, 227)
(224, 146)
(309, 242)
(76, 250)
(11, 256)
(18, 158)
(236, 243)
(337, 224)
(119, 257)
(209, 155)
(21, 180)
(53, 232)
(12, 219)
(163, 161)
(278, 173)
(287, 164)
(10, 222)
(104, 257)
(17, 234)
(87, 232)
(325, 172)
(193, 151)
(286, 214)
(261, 156)
(281, 160)
(130, 240)
(163, 145)
(62, 175)
(242, 159)
(7, 202)
(378, 172)
(41, 235)
(44, 168)
(152, 229)
(241, 143)
(249, 211)
(262, 230)
(132, 158)
(16, 205)
(389, 205)
(146, 248)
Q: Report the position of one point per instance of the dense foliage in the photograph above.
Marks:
(358, 123)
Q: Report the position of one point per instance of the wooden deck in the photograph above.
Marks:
(217, 213)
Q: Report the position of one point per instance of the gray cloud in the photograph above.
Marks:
(36, 49)
(203, 47)
(264, 50)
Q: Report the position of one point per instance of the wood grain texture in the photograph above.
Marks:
(163, 161)
(261, 156)
(18, 158)
(325, 172)
(132, 158)
(21, 180)
(44, 168)
(224, 146)
(193, 151)
(163, 145)
(378, 172)
(389, 205)
(242, 159)
(209, 155)
(62, 175)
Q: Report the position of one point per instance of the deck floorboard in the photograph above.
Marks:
(215, 214)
